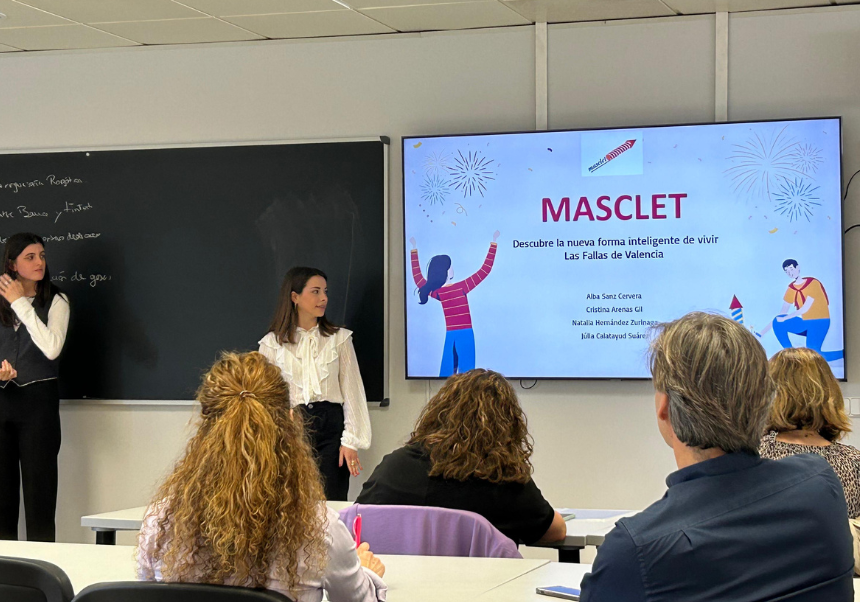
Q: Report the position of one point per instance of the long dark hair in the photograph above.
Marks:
(286, 317)
(45, 289)
(437, 275)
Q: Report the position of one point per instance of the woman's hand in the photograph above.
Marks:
(7, 372)
(350, 456)
(11, 289)
(412, 242)
(369, 560)
(496, 235)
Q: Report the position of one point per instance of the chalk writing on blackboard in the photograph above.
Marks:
(73, 208)
(51, 179)
(71, 236)
(26, 213)
(92, 279)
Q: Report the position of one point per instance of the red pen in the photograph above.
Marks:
(356, 529)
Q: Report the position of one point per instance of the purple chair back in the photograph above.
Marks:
(428, 531)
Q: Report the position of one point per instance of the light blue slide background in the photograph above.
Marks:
(522, 312)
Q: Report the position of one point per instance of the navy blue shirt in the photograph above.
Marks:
(736, 528)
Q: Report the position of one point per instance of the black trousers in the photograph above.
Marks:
(324, 425)
(29, 439)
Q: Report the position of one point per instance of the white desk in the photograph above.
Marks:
(409, 578)
(589, 528)
(84, 563)
(107, 524)
(522, 588)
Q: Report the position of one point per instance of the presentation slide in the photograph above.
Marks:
(551, 254)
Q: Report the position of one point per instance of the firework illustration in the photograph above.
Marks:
(737, 310)
(796, 198)
(806, 158)
(437, 162)
(761, 163)
(435, 189)
(612, 154)
(471, 173)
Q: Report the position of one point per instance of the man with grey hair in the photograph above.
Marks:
(732, 526)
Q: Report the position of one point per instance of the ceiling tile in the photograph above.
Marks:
(692, 7)
(310, 25)
(430, 17)
(567, 11)
(96, 11)
(60, 37)
(4, 48)
(847, 1)
(179, 31)
(226, 8)
(362, 4)
(19, 15)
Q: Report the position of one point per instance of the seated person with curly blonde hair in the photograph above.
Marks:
(470, 451)
(244, 506)
(808, 417)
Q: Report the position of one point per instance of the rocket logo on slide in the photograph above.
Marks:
(611, 155)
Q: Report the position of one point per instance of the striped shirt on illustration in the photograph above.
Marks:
(455, 305)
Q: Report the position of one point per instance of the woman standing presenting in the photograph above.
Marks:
(34, 317)
(318, 361)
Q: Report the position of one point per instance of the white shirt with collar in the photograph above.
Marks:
(324, 368)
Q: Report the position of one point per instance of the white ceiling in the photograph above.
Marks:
(29, 25)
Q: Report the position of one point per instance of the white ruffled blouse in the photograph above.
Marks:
(320, 368)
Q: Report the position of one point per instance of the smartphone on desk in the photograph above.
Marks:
(559, 591)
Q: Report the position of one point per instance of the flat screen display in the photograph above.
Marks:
(551, 254)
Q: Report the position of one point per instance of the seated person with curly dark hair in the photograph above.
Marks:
(470, 451)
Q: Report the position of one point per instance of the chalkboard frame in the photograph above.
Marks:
(386, 143)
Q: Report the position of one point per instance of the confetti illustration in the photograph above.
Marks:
(417, 145)
(773, 231)
(795, 199)
(471, 173)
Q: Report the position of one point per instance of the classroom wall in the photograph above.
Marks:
(595, 442)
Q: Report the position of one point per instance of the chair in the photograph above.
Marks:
(26, 580)
(152, 591)
(428, 531)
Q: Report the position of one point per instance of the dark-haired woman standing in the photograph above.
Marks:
(458, 355)
(318, 361)
(34, 317)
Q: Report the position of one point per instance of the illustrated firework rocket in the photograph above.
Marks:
(612, 154)
(737, 310)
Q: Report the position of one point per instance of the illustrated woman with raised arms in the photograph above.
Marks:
(458, 354)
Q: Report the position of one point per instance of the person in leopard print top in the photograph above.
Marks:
(808, 417)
